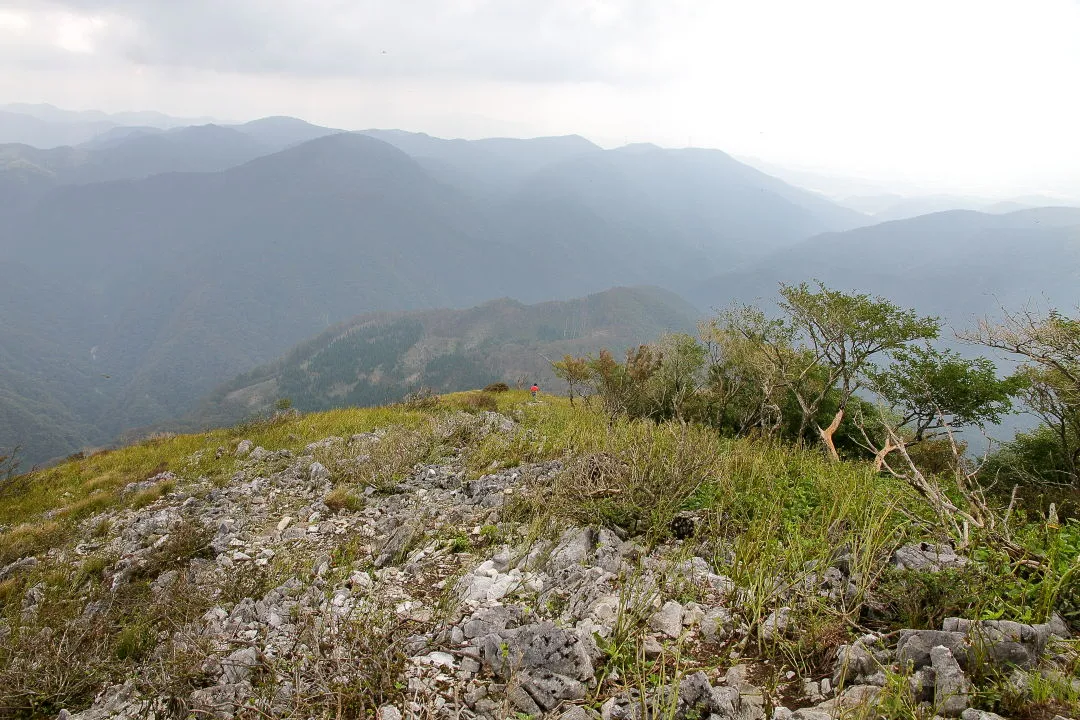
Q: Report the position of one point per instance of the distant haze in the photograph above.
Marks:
(973, 97)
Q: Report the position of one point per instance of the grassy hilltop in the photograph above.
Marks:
(765, 516)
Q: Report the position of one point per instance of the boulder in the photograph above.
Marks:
(1003, 642)
(854, 663)
(950, 686)
(776, 624)
(668, 620)
(973, 714)
(540, 646)
(546, 690)
(915, 645)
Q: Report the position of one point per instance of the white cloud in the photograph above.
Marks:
(76, 33)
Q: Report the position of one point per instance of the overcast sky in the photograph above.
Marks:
(973, 95)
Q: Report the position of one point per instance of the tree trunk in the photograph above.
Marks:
(827, 434)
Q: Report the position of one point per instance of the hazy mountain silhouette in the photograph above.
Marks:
(278, 133)
(135, 154)
(45, 126)
(958, 264)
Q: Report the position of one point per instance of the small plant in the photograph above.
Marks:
(9, 466)
(152, 494)
(92, 569)
(134, 642)
(460, 543)
(497, 387)
(344, 499)
(283, 404)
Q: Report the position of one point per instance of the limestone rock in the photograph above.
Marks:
(950, 686)
(915, 645)
(668, 620)
(927, 557)
(1003, 642)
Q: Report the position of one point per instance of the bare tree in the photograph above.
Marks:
(1049, 346)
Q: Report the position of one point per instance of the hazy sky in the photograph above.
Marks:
(974, 95)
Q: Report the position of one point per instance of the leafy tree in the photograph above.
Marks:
(932, 390)
(1048, 393)
(673, 388)
(574, 370)
(750, 361)
(843, 333)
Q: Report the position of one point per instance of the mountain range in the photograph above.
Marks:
(147, 266)
(134, 296)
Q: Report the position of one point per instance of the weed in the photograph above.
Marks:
(29, 539)
(152, 494)
(460, 543)
(344, 499)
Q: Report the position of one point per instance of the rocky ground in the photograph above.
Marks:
(433, 598)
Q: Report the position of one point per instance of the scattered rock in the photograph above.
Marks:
(927, 557)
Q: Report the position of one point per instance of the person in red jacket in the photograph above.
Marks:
(534, 389)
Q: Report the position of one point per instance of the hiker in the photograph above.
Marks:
(534, 389)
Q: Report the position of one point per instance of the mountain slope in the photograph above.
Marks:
(377, 358)
(708, 211)
(173, 283)
(959, 264)
(180, 281)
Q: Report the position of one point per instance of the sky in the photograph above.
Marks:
(975, 96)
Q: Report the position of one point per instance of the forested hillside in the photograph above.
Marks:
(379, 358)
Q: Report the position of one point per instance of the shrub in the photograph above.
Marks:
(479, 402)
(421, 399)
(497, 387)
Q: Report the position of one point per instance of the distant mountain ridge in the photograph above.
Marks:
(44, 126)
(378, 358)
(959, 264)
